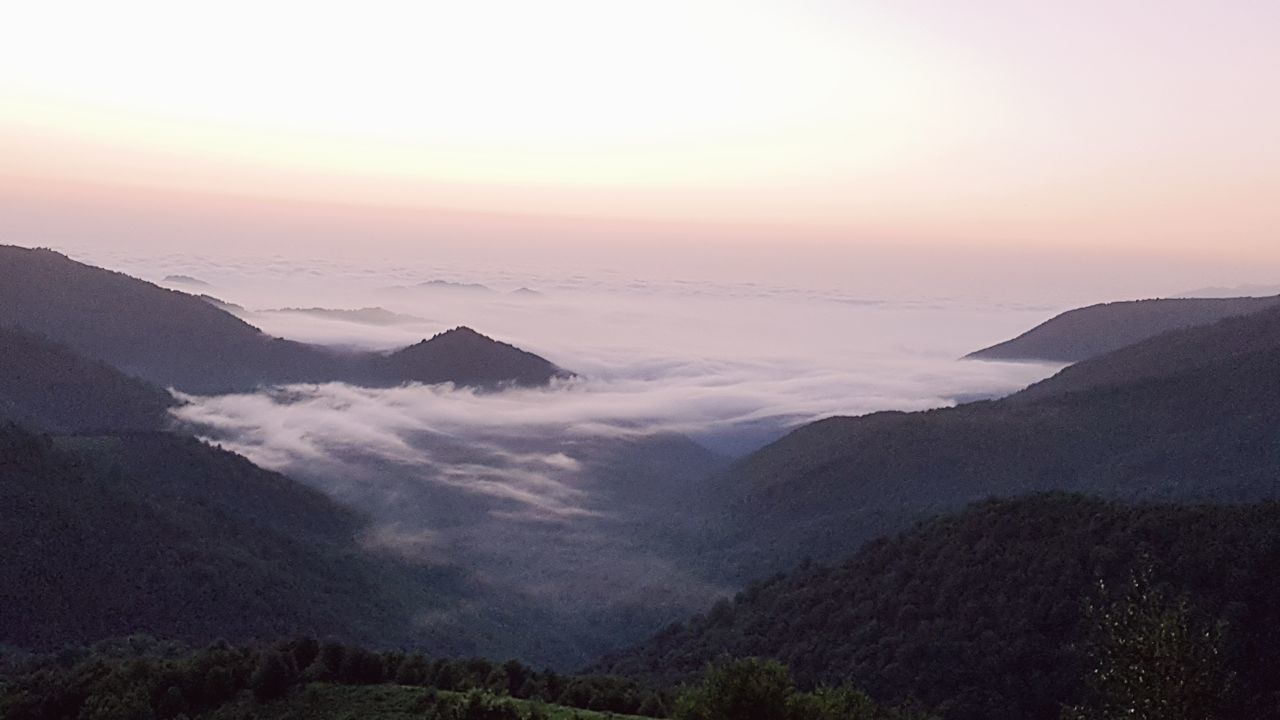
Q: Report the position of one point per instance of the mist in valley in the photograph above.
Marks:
(576, 514)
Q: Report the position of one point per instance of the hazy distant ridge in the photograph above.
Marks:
(1091, 331)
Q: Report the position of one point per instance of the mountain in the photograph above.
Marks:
(980, 615)
(466, 357)
(178, 340)
(364, 316)
(1234, 292)
(1188, 416)
(453, 286)
(186, 280)
(46, 385)
(1166, 355)
(221, 304)
(161, 534)
(444, 286)
(1099, 329)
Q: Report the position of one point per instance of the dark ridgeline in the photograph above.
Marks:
(178, 340)
(1099, 329)
(46, 385)
(981, 615)
(1191, 415)
(1168, 354)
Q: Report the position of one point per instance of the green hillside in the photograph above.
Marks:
(105, 537)
(981, 615)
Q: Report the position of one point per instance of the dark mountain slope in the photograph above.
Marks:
(1206, 433)
(47, 385)
(164, 336)
(160, 534)
(1168, 354)
(1099, 329)
(980, 615)
(178, 340)
(466, 357)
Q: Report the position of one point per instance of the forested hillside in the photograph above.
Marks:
(46, 385)
(1169, 354)
(156, 533)
(1202, 427)
(981, 615)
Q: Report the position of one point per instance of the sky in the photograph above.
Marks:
(997, 126)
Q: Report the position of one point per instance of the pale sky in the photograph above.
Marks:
(994, 123)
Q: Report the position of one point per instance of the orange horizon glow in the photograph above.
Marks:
(1106, 123)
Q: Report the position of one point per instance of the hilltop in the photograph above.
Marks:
(466, 357)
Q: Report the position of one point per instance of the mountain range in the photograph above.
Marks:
(1190, 415)
(951, 568)
(174, 339)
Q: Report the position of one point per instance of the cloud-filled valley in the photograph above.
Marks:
(576, 507)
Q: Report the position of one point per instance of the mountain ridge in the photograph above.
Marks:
(174, 339)
(1196, 423)
(1095, 330)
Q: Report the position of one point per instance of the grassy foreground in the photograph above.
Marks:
(319, 701)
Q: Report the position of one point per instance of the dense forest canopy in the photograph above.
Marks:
(981, 615)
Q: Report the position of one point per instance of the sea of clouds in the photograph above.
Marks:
(518, 486)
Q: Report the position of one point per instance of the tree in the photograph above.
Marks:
(1153, 659)
(412, 670)
(750, 689)
(833, 704)
(271, 678)
(172, 703)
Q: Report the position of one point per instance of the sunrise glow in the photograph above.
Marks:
(1104, 122)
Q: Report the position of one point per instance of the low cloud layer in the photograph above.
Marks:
(577, 503)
